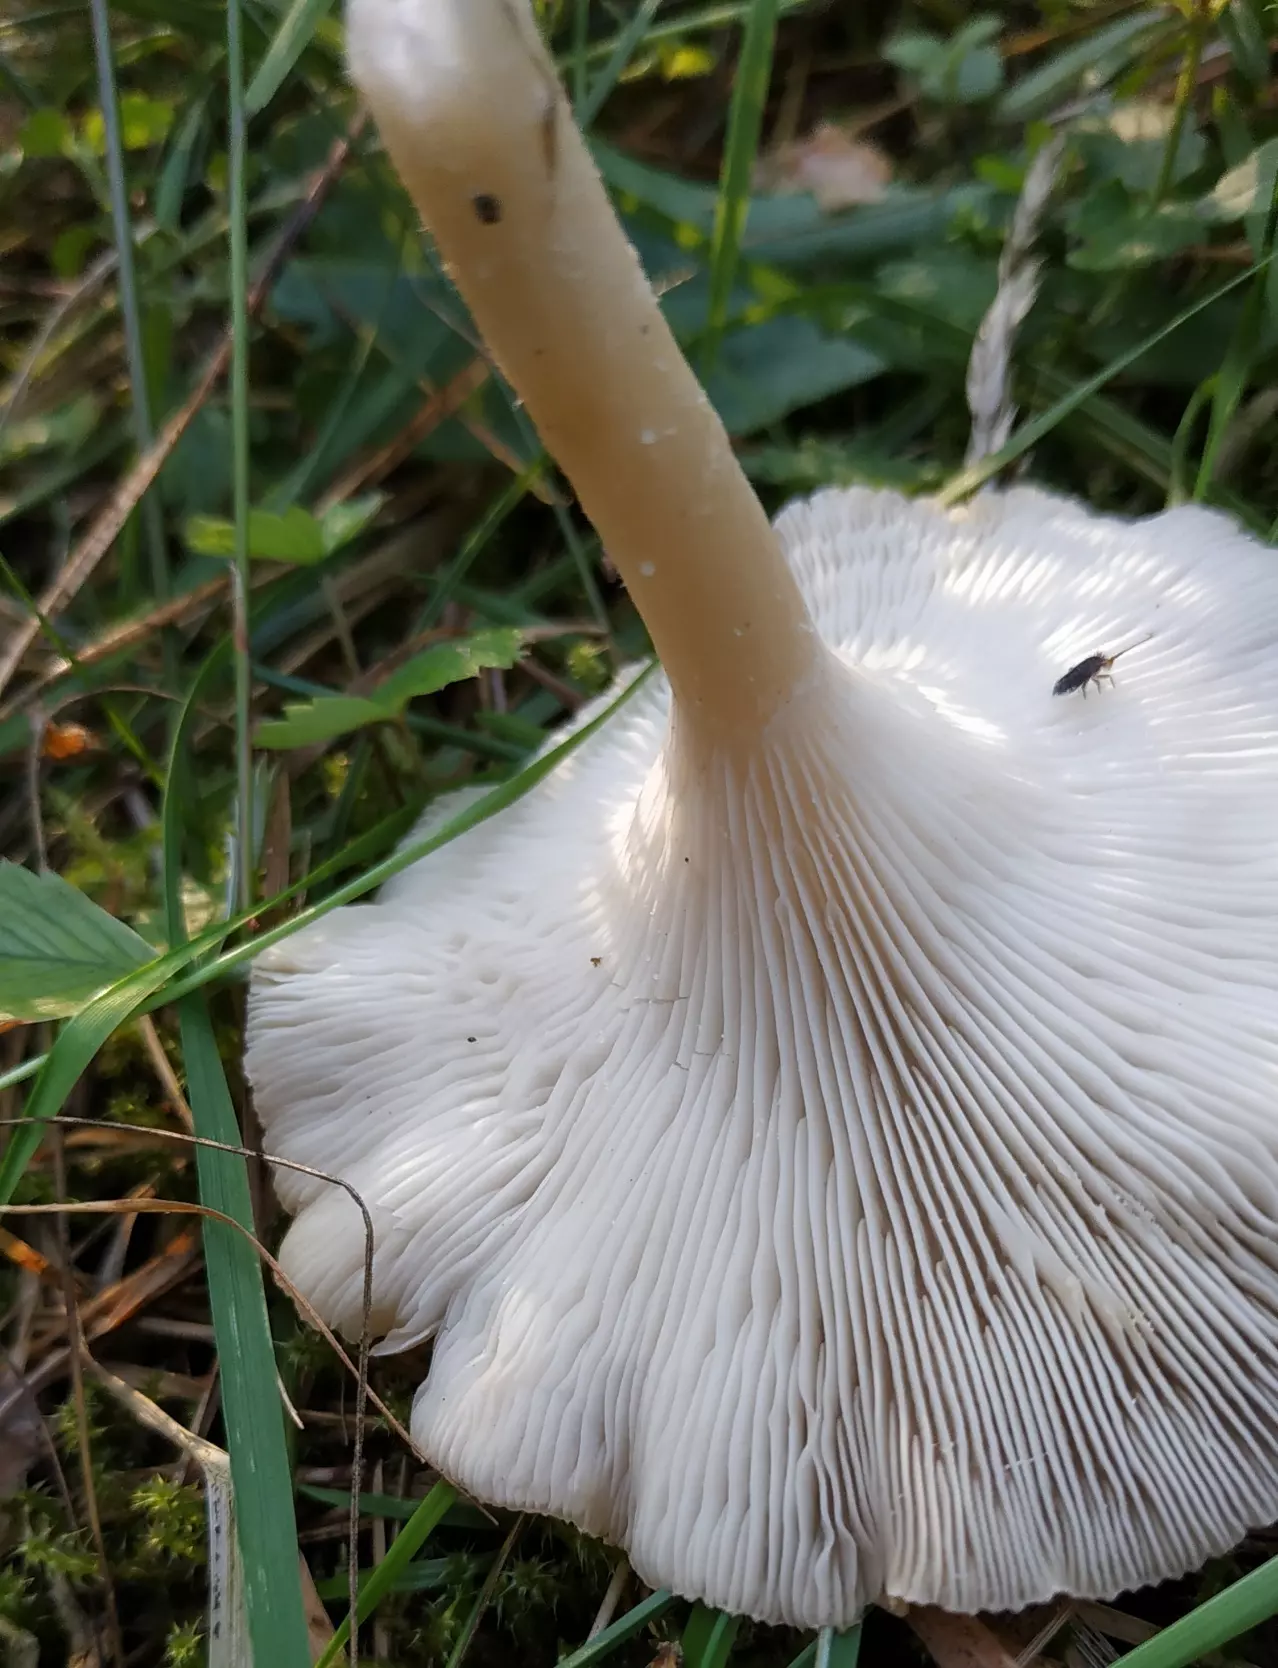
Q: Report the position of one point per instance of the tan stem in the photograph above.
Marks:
(475, 122)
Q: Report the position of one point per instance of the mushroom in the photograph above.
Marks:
(828, 1125)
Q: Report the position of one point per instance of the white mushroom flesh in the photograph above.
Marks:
(846, 1169)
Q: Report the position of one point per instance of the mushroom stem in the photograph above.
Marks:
(475, 121)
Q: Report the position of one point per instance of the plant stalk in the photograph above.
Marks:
(477, 125)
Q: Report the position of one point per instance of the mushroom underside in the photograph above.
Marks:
(849, 1171)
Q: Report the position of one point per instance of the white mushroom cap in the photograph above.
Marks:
(848, 1167)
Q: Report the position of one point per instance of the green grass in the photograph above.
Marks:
(177, 151)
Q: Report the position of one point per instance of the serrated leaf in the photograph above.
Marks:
(446, 663)
(327, 716)
(57, 948)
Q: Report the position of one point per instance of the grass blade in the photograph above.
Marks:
(838, 1650)
(1242, 1606)
(1109, 49)
(77, 1043)
(122, 225)
(620, 1632)
(238, 207)
(484, 1597)
(261, 1476)
(260, 1472)
(621, 54)
(709, 1637)
(1245, 347)
(745, 123)
(291, 39)
(399, 1555)
(495, 800)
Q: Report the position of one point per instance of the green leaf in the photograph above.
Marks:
(708, 1638)
(623, 1629)
(1247, 189)
(306, 722)
(916, 52)
(327, 716)
(264, 1521)
(691, 205)
(45, 133)
(904, 221)
(1242, 26)
(57, 948)
(1247, 342)
(63, 427)
(977, 75)
(778, 365)
(1129, 145)
(1117, 231)
(58, 1071)
(838, 1650)
(175, 175)
(1242, 1606)
(1094, 61)
(341, 524)
(963, 70)
(382, 1579)
(77, 1043)
(445, 663)
(291, 39)
(745, 122)
(623, 50)
(423, 1575)
(265, 1525)
(1030, 433)
(143, 122)
(462, 1515)
(293, 536)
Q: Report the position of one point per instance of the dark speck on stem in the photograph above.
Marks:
(487, 208)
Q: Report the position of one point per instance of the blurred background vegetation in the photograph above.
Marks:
(272, 538)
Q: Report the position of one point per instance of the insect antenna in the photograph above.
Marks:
(1119, 653)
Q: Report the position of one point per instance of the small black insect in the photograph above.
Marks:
(487, 208)
(1093, 670)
